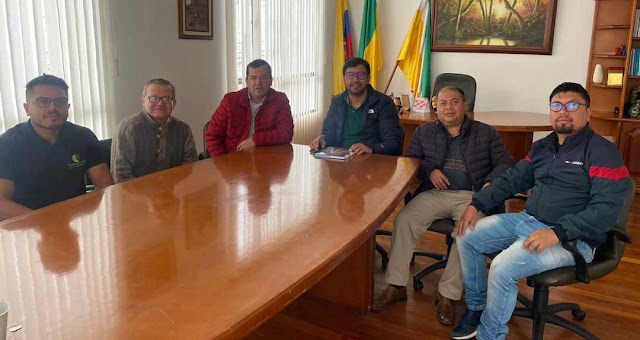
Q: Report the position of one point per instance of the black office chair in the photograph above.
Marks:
(204, 154)
(105, 149)
(606, 260)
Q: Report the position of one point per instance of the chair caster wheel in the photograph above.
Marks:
(578, 314)
(418, 285)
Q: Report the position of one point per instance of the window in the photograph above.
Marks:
(58, 37)
(287, 34)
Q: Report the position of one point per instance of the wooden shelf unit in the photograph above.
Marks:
(613, 25)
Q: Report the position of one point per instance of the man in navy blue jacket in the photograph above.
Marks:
(361, 119)
(578, 186)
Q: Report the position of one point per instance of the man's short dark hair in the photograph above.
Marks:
(571, 87)
(354, 62)
(259, 63)
(159, 81)
(452, 88)
(46, 79)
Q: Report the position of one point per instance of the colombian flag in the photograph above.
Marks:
(370, 40)
(342, 48)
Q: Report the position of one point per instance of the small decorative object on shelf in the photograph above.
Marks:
(634, 111)
(635, 94)
(616, 111)
(614, 76)
(624, 49)
(619, 50)
(598, 74)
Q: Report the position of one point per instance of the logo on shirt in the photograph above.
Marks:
(574, 162)
(76, 162)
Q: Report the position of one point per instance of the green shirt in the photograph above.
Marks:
(353, 124)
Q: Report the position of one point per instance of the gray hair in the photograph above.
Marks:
(159, 81)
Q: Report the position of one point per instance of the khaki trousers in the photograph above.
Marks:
(412, 221)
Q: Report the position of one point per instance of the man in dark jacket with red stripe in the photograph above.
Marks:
(458, 156)
(254, 116)
(578, 185)
(361, 119)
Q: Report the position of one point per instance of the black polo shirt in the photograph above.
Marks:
(43, 173)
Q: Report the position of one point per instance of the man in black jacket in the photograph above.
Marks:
(361, 119)
(458, 157)
(578, 185)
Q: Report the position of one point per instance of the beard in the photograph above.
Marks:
(563, 128)
(356, 92)
(45, 123)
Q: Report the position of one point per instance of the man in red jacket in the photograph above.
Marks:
(254, 116)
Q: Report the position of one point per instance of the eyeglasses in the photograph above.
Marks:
(155, 99)
(351, 75)
(44, 102)
(570, 106)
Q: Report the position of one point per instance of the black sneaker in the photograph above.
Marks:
(468, 326)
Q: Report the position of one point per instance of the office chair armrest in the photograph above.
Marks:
(621, 235)
(581, 264)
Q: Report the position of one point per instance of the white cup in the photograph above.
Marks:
(4, 315)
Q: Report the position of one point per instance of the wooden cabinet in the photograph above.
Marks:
(613, 26)
(630, 147)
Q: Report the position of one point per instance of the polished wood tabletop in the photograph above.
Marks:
(500, 120)
(206, 250)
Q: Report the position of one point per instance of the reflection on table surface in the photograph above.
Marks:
(191, 251)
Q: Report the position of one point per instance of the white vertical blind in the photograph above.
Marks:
(288, 35)
(58, 37)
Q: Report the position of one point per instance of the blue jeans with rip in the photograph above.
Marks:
(496, 293)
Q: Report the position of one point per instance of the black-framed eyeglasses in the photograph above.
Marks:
(155, 99)
(570, 106)
(44, 102)
(360, 75)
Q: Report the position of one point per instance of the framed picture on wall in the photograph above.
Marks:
(195, 18)
(495, 26)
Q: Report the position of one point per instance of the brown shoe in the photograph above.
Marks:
(390, 296)
(445, 312)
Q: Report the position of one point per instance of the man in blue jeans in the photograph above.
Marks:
(578, 186)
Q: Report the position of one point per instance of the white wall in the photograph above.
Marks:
(505, 81)
(145, 42)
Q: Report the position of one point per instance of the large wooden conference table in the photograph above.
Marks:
(516, 128)
(206, 250)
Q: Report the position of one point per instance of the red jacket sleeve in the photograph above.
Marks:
(283, 133)
(217, 130)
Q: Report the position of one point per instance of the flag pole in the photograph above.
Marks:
(391, 77)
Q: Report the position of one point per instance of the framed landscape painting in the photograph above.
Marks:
(495, 26)
(195, 18)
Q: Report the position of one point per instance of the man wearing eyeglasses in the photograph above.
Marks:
(254, 116)
(44, 160)
(152, 139)
(578, 185)
(361, 119)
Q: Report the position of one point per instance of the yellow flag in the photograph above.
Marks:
(410, 56)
